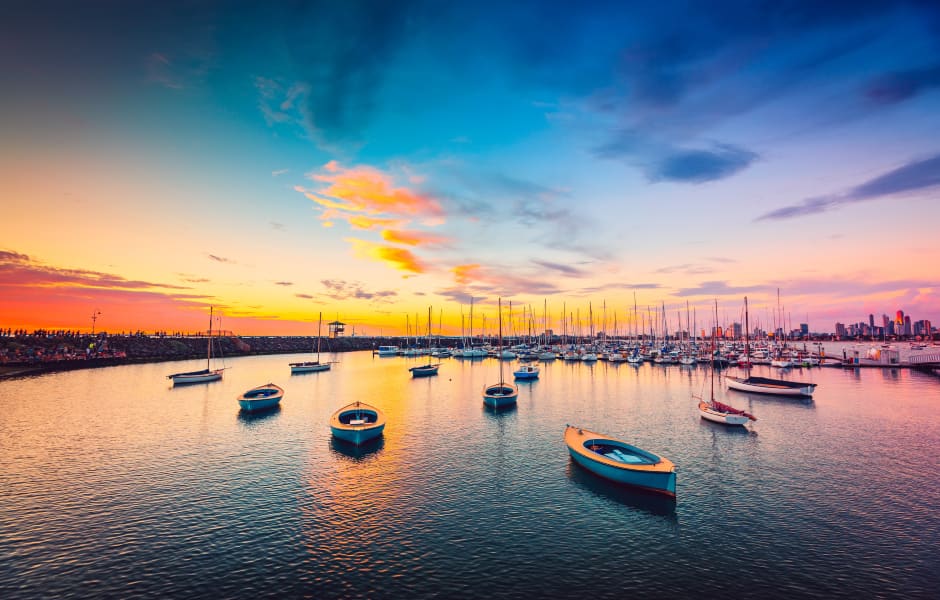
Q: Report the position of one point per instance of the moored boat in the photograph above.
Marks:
(387, 351)
(311, 366)
(424, 370)
(718, 412)
(768, 385)
(499, 395)
(526, 372)
(261, 397)
(357, 423)
(205, 375)
(429, 369)
(621, 462)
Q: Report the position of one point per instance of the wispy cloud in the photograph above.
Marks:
(278, 226)
(338, 289)
(686, 268)
(401, 259)
(719, 288)
(564, 269)
(898, 86)
(20, 269)
(414, 238)
(279, 172)
(220, 259)
(304, 296)
(363, 189)
(912, 177)
(284, 283)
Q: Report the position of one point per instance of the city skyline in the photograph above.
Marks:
(366, 160)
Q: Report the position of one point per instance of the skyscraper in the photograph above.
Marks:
(871, 321)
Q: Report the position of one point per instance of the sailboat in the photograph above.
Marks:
(503, 393)
(428, 369)
(715, 411)
(766, 385)
(205, 375)
(311, 366)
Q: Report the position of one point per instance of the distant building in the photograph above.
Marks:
(840, 329)
(907, 325)
(871, 321)
(337, 329)
(804, 329)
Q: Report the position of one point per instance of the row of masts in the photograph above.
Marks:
(653, 325)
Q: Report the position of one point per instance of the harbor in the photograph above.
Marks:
(121, 484)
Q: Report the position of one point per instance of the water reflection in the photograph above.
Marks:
(357, 452)
(730, 429)
(649, 502)
(503, 411)
(254, 417)
(798, 401)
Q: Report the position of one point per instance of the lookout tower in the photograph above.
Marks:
(337, 329)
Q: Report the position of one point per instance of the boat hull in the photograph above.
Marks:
(526, 374)
(196, 377)
(658, 477)
(312, 367)
(774, 387)
(715, 416)
(425, 371)
(357, 436)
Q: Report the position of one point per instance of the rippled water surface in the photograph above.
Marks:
(114, 484)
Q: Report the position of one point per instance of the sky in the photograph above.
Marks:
(367, 160)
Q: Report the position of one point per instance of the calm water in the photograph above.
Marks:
(114, 484)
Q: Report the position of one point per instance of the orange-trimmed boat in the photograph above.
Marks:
(621, 462)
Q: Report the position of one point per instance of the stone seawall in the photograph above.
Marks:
(26, 354)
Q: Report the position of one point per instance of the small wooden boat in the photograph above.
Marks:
(205, 375)
(261, 397)
(621, 462)
(715, 411)
(357, 423)
(424, 370)
(526, 372)
(767, 385)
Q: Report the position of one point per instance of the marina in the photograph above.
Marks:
(137, 487)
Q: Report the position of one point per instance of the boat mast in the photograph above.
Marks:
(500, 351)
(714, 366)
(209, 349)
(747, 340)
(319, 329)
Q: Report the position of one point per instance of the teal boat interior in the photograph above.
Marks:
(621, 452)
(260, 393)
(500, 390)
(358, 417)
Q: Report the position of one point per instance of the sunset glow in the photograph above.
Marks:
(263, 163)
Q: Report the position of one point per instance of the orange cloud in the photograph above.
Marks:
(367, 190)
(364, 222)
(413, 238)
(399, 258)
(464, 274)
